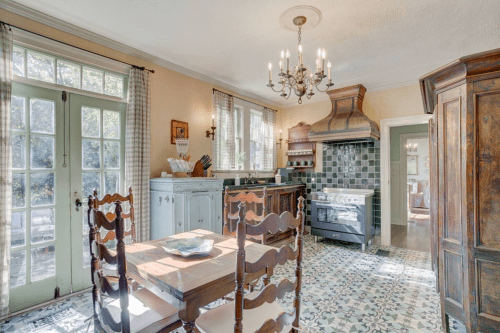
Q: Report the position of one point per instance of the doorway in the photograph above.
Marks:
(61, 152)
(410, 187)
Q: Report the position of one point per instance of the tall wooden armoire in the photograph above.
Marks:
(464, 97)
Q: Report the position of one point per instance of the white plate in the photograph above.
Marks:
(189, 246)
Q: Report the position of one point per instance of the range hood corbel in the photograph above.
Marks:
(347, 121)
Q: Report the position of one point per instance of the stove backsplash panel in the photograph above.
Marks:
(348, 165)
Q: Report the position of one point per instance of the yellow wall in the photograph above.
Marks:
(173, 96)
(391, 103)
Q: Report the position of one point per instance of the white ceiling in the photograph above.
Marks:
(379, 43)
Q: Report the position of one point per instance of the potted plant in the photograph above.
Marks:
(240, 159)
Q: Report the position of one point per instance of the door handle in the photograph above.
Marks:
(78, 204)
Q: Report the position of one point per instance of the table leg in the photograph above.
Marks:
(188, 326)
(188, 316)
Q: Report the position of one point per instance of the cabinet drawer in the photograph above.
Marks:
(360, 239)
(191, 187)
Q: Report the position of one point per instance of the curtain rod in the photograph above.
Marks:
(76, 47)
(246, 100)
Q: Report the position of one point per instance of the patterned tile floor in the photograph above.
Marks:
(344, 290)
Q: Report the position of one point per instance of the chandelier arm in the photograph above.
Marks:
(276, 90)
(289, 93)
(327, 88)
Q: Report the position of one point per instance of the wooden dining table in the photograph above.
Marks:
(190, 283)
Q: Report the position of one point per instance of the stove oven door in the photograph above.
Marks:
(338, 217)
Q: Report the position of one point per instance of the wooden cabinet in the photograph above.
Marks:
(465, 155)
(279, 200)
(183, 204)
(300, 149)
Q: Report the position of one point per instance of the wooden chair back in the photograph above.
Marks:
(230, 219)
(272, 223)
(101, 284)
(110, 199)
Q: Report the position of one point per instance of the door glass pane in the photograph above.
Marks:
(86, 251)
(91, 181)
(17, 269)
(42, 116)
(18, 190)
(68, 74)
(111, 154)
(18, 61)
(18, 151)
(41, 67)
(43, 262)
(111, 182)
(42, 189)
(18, 229)
(92, 80)
(91, 122)
(113, 85)
(43, 225)
(42, 152)
(18, 113)
(91, 157)
(111, 128)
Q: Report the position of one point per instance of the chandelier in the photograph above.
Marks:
(300, 78)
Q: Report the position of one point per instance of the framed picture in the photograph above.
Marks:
(179, 129)
(412, 164)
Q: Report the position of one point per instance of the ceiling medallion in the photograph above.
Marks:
(300, 78)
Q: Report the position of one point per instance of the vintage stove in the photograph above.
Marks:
(343, 214)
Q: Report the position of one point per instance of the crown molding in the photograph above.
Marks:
(69, 28)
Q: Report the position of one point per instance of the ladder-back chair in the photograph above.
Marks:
(141, 311)
(231, 219)
(110, 199)
(259, 312)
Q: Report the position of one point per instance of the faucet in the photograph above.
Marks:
(252, 176)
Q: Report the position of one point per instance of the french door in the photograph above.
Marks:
(60, 152)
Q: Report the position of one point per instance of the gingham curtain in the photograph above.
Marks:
(138, 147)
(5, 164)
(224, 144)
(269, 160)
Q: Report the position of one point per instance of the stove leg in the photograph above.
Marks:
(363, 247)
(315, 239)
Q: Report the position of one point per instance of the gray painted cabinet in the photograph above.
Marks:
(183, 204)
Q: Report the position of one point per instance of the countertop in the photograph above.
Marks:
(258, 186)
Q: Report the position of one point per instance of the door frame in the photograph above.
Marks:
(385, 168)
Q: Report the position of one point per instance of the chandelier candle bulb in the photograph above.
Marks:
(300, 55)
(270, 73)
(287, 60)
(281, 66)
(329, 71)
(324, 56)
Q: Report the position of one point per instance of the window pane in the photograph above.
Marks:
(111, 182)
(68, 74)
(42, 116)
(18, 151)
(18, 61)
(92, 80)
(41, 67)
(42, 152)
(91, 181)
(18, 190)
(43, 222)
(18, 112)
(113, 85)
(112, 155)
(91, 157)
(85, 224)
(111, 128)
(91, 122)
(17, 269)
(42, 189)
(18, 229)
(86, 251)
(43, 262)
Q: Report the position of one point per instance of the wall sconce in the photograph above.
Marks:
(279, 141)
(213, 129)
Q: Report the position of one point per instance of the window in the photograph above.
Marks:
(254, 139)
(46, 68)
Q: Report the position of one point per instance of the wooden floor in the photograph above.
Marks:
(414, 236)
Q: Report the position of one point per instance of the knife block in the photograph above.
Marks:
(198, 170)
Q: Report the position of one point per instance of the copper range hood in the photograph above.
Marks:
(347, 121)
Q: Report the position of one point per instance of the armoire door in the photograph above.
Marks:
(483, 198)
(451, 212)
(433, 181)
